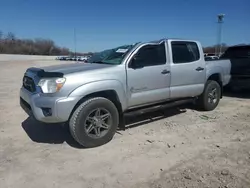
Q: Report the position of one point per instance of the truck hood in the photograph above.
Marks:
(75, 67)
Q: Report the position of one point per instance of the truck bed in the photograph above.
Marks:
(225, 65)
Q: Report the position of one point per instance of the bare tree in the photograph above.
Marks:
(10, 36)
(11, 45)
(1, 35)
(211, 49)
(1, 41)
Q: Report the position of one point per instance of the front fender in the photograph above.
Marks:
(103, 85)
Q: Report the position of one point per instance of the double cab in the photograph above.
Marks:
(93, 97)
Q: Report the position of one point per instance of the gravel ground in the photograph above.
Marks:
(175, 148)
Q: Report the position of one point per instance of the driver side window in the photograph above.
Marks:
(151, 55)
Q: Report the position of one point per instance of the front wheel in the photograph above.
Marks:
(94, 122)
(210, 98)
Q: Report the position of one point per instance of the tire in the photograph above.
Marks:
(205, 102)
(79, 125)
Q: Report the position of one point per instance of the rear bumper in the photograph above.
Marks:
(47, 109)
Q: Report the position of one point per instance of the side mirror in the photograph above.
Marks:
(136, 62)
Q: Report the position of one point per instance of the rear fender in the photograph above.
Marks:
(215, 70)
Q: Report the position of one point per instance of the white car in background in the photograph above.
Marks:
(82, 58)
(210, 58)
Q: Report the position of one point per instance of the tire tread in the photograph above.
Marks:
(202, 105)
(75, 115)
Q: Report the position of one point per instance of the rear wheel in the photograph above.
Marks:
(210, 98)
(94, 122)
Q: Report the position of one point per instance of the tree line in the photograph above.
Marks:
(215, 48)
(10, 44)
(223, 47)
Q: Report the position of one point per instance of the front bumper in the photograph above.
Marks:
(37, 106)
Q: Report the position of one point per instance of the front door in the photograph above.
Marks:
(148, 75)
(188, 71)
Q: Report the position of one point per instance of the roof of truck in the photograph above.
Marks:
(166, 39)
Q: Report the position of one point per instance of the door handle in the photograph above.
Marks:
(199, 69)
(165, 71)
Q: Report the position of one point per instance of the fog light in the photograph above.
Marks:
(47, 112)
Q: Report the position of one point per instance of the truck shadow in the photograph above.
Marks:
(58, 133)
(46, 133)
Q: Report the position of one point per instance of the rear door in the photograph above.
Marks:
(188, 71)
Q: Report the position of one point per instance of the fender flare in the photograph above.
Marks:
(216, 70)
(102, 85)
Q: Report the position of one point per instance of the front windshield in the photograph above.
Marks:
(111, 56)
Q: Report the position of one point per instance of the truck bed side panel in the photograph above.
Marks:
(221, 67)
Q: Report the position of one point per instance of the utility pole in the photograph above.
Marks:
(220, 18)
(75, 40)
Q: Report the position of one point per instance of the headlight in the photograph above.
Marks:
(51, 85)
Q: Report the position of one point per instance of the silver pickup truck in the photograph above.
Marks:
(93, 97)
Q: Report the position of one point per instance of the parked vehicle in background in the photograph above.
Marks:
(209, 54)
(69, 58)
(211, 58)
(73, 58)
(240, 71)
(62, 58)
(83, 58)
(131, 79)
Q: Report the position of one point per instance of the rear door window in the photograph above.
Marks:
(185, 52)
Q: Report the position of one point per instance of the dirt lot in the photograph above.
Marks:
(177, 148)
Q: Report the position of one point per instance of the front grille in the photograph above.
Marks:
(29, 84)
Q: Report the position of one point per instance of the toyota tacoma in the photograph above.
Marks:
(93, 97)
